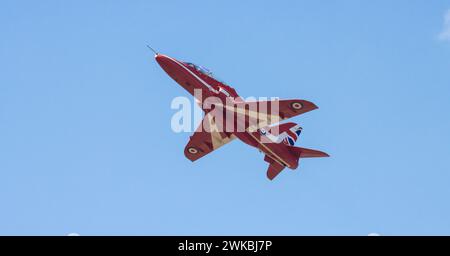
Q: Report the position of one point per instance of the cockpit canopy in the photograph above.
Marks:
(200, 68)
(203, 70)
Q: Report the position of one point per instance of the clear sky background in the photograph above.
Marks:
(86, 144)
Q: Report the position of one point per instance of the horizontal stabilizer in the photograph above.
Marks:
(307, 153)
(274, 167)
(273, 170)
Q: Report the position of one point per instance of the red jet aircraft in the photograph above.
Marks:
(255, 129)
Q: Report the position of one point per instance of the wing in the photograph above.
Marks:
(264, 113)
(206, 139)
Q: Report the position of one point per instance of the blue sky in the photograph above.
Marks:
(85, 138)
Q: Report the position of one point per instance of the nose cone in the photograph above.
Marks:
(158, 57)
(169, 65)
(162, 60)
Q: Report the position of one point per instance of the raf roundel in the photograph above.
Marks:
(296, 105)
(192, 150)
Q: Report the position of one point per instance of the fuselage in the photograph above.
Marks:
(201, 84)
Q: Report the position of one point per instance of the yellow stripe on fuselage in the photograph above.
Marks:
(279, 160)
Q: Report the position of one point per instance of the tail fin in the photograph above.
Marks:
(287, 133)
(307, 153)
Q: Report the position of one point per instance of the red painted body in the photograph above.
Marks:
(279, 154)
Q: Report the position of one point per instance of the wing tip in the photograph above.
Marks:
(302, 106)
(190, 153)
(310, 105)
